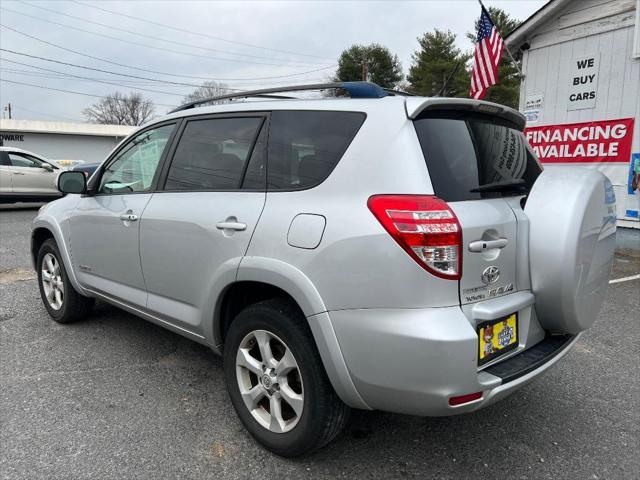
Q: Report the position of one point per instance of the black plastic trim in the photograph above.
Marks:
(531, 359)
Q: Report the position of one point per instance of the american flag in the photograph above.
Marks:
(486, 58)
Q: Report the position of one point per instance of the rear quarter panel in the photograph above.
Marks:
(357, 264)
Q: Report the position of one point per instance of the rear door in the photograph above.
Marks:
(479, 164)
(197, 228)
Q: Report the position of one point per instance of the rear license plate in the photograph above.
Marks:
(497, 337)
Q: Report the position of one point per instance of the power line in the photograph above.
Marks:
(175, 42)
(45, 114)
(68, 91)
(144, 45)
(61, 76)
(131, 83)
(155, 71)
(127, 84)
(68, 64)
(98, 69)
(94, 79)
(197, 33)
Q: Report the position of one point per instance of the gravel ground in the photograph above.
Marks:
(116, 397)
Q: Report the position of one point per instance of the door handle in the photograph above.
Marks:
(129, 217)
(483, 245)
(227, 225)
(18, 173)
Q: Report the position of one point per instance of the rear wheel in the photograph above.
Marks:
(277, 382)
(59, 297)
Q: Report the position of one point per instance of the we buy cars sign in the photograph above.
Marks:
(604, 141)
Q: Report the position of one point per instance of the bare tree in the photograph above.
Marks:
(208, 90)
(120, 109)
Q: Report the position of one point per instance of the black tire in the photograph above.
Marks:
(74, 306)
(323, 415)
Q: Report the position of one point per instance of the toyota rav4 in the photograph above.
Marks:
(383, 251)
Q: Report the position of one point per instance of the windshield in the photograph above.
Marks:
(465, 152)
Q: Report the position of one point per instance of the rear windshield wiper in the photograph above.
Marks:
(504, 186)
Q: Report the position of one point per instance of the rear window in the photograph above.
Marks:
(465, 151)
(305, 146)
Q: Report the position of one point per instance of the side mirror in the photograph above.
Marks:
(47, 167)
(72, 182)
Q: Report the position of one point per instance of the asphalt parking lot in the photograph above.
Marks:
(116, 397)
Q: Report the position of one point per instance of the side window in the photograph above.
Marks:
(134, 167)
(22, 160)
(212, 154)
(305, 146)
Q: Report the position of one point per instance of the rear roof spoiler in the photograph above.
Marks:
(416, 105)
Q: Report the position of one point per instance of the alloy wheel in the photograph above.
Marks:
(52, 281)
(270, 381)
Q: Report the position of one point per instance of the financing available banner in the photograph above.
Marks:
(603, 141)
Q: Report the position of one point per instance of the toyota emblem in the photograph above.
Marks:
(490, 275)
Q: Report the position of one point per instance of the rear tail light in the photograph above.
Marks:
(425, 227)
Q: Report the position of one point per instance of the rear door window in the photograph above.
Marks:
(465, 151)
(305, 146)
(212, 154)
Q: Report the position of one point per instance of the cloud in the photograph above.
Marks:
(316, 31)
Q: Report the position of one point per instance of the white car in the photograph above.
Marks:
(26, 176)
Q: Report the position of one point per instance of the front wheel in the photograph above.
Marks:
(62, 302)
(276, 380)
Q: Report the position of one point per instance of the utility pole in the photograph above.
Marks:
(365, 59)
(8, 109)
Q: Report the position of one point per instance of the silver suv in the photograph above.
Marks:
(382, 251)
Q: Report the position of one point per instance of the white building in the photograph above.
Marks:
(63, 141)
(581, 89)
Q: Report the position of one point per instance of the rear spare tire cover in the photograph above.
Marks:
(572, 219)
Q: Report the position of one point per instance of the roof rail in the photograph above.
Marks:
(354, 89)
(401, 93)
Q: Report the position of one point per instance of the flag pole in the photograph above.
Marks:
(505, 43)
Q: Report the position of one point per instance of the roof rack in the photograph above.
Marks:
(401, 93)
(354, 89)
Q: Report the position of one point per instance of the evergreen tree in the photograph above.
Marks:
(437, 60)
(374, 63)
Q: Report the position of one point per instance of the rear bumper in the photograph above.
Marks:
(412, 361)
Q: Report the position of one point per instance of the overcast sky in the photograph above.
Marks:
(245, 44)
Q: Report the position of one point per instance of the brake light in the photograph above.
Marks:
(425, 227)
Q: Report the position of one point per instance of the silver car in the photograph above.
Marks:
(26, 176)
(383, 251)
